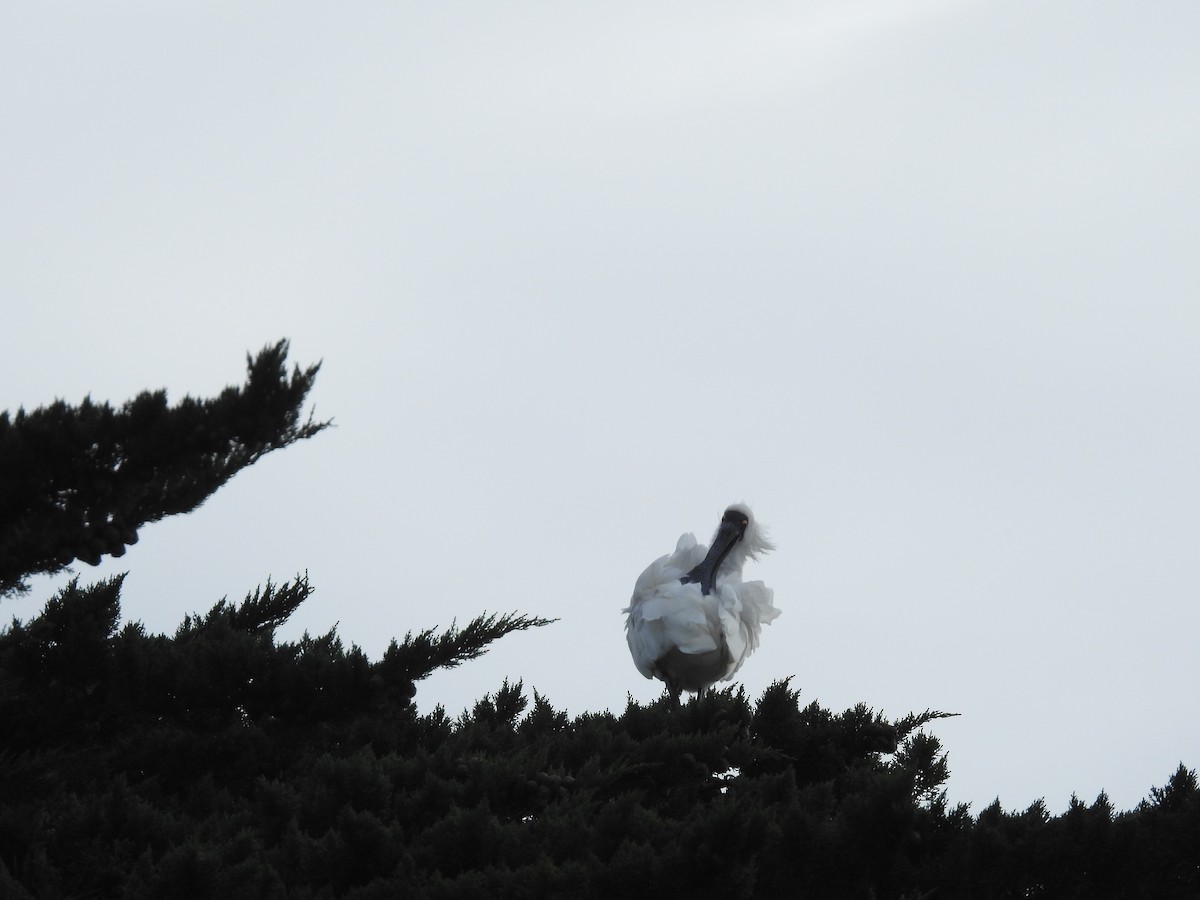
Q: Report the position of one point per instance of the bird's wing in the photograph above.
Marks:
(744, 607)
(673, 616)
(665, 614)
(671, 567)
(684, 617)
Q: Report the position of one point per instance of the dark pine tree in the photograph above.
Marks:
(79, 481)
(220, 762)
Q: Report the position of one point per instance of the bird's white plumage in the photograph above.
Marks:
(689, 639)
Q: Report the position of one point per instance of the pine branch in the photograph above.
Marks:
(913, 721)
(79, 481)
(270, 606)
(422, 654)
(263, 610)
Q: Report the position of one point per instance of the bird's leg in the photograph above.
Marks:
(674, 689)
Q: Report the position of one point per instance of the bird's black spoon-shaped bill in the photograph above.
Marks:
(732, 530)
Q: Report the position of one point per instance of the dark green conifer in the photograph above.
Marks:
(221, 762)
(79, 481)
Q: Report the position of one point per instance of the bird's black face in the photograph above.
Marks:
(731, 530)
(736, 521)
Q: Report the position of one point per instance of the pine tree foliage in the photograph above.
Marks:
(221, 762)
(422, 654)
(79, 481)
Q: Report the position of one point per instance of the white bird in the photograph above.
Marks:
(692, 620)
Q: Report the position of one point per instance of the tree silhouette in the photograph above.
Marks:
(81, 480)
(221, 762)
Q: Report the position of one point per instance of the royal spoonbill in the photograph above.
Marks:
(692, 620)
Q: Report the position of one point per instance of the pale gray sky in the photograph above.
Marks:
(919, 281)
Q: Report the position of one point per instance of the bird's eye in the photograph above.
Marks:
(745, 522)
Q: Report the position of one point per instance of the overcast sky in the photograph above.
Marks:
(917, 280)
